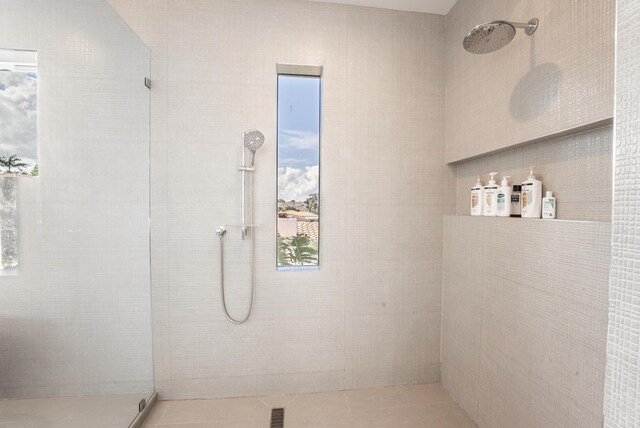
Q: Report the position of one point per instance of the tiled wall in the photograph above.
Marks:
(77, 318)
(622, 402)
(559, 78)
(576, 168)
(371, 314)
(524, 320)
(525, 301)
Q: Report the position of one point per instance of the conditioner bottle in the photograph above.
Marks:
(531, 200)
(491, 196)
(477, 197)
(504, 198)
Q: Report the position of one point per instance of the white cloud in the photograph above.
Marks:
(293, 162)
(300, 140)
(296, 184)
(18, 115)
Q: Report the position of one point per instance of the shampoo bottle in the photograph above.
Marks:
(504, 198)
(549, 206)
(477, 197)
(491, 196)
(531, 200)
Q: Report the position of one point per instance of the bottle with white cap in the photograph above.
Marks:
(531, 200)
(491, 196)
(549, 206)
(503, 206)
(477, 198)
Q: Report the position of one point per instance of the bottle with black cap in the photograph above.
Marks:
(516, 194)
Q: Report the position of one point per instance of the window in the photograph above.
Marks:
(18, 112)
(298, 207)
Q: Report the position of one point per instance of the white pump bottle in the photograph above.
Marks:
(531, 201)
(477, 198)
(491, 197)
(503, 206)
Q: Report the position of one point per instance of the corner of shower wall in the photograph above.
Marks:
(500, 305)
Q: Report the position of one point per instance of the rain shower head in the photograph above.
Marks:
(490, 37)
(253, 140)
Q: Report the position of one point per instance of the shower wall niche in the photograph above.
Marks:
(76, 320)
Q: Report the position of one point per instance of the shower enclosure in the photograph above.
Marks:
(75, 322)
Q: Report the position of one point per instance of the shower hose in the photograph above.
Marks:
(221, 232)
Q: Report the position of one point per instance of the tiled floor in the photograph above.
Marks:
(418, 406)
(104, 411)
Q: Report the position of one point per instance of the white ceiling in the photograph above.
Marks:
(440, 7)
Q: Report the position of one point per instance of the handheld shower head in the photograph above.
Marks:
(490, 37)
(253, 140)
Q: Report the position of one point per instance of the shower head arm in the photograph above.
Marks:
(529, 27)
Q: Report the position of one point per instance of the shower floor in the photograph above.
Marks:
(104, 411)
(416, 406)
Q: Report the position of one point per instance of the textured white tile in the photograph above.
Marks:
(622, 405)
(462, 309)
(525, 346)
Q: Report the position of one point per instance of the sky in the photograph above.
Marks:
(18, 116)
(298, 137)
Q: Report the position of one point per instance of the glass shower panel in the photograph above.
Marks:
(75, 322)
(18, 112)
(8, 226)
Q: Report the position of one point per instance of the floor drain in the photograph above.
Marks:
(277, 418)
